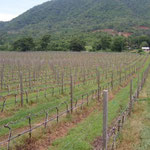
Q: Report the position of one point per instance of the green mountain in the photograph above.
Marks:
(67, 16)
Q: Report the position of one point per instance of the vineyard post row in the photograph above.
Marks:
(131, 72)
(98, 82)
(118, 125)
(58, 114)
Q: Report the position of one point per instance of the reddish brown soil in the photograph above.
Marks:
(143, 27)
(60, 130)
(113, 32)
(56, 131)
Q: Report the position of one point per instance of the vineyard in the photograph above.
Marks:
(42, 90)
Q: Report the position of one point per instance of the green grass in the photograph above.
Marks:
(145, 133)
(43, 104)
(40, 104)
(88, 130)
(82, 136)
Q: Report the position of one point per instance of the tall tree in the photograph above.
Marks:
(144, 44)
(45, 41)
(77, 44)
(119, 44)
(105, 42)
(97, 45)
(24, 44)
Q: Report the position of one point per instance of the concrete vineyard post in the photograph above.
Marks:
(105, 118)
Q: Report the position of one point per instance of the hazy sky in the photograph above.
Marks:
(10, 9)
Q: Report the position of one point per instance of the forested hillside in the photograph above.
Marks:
(80, 15)
(82, 21)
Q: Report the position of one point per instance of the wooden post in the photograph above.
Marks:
(21, 89)
(82, 102)
(8, 89)
(57, 114)
(138, 84)
(131, 102)
(29, 79)
(84, 77)
(3, 105)
(98, 83)
(62, 80)
(34, 75)
(125, 74)
(119, 125)
(123, 118)
(112, 81)
(45, 94)
(120, 77)
(15, 99)
(52, 91)
(114, 139)
(26, 97)
(30, 127)
(105, 118)
(9, 138)
(46, 119)
(92, 94)
(2, 76)
(71, 94)
(87, 99)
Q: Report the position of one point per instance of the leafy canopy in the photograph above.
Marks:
(24, 44)
(77, 45)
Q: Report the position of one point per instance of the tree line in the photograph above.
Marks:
(99, 42)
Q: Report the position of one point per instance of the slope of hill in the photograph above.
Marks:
(79, 15)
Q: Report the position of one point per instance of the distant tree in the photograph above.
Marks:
(105, 42)
(45, 40)
(97, 45)
(58, 46)
(138, 40)
(119, 44)
(24, 44)
(1, 41)
(144, 44)
(4, 47)
(77, 44)
(144, 38)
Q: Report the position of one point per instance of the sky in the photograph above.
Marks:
(10, 9)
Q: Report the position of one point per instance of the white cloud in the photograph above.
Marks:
(7, 17)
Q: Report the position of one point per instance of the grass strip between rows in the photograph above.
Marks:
(82, 136)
